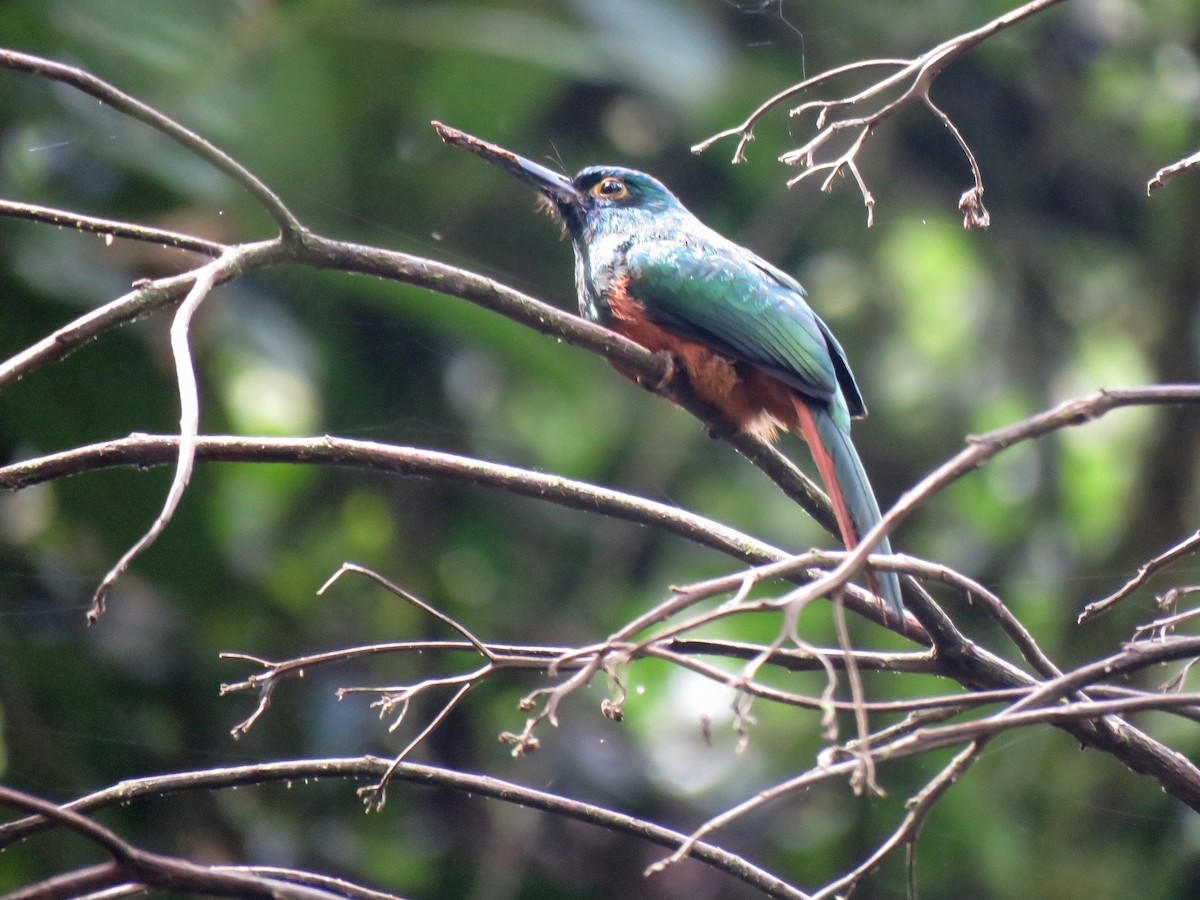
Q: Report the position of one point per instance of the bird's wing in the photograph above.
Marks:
(728, 298)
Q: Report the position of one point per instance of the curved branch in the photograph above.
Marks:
(189, 421)
(154, 869)
(142, 450)
(913, 78)
(323, 253)
(143, 300)
(372, 767)
(1144, 574)
(1166, 173)
(649, 367)
(108, 94)
(980, 449)
(109, 227)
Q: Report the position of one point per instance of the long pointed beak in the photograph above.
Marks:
(554, 187)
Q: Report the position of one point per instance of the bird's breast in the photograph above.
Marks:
(600, 265)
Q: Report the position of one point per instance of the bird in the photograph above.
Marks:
(739, 327)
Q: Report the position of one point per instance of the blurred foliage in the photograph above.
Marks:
(1081, 283)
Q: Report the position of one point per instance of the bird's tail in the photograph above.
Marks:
(845, 479)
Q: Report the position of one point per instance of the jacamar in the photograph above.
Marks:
(739, 327)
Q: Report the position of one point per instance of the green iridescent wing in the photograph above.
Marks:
(730, 299)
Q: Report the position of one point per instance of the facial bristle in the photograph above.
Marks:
(549, 207)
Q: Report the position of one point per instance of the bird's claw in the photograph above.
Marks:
(721, 430)
(669, 366)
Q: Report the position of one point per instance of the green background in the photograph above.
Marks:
(1081, 283)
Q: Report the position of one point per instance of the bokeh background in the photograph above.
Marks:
(1082, 282)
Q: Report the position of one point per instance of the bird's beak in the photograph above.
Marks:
(556, 188)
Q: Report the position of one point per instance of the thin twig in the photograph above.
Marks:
(1166, 173)
(1164, 625)
(745, 131)
(142, 450)
(864, 778)
(906, 832)
(143, 300)
(110, 227)
(375, 795)
(416, 601)
(106, 93)
(912, 78)
(970, 204)
(1144, 574)
(155, 869)
(189, 425)
(980, 449)
(371, 767)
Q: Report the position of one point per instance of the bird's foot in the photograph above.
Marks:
(669, 366)
(718, 431)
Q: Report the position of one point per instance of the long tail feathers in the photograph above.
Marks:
(854, 502)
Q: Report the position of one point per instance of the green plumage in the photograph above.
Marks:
(718, 296)
(701, 286)
(637, 245)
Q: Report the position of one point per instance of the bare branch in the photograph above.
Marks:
(375, 795)
(338, 886)
(264, 682)
(927, 739)
(745, 131)
(87, 882)
(1144, 574)
(1162, 627)
(912, 80)
(371, 767)
(864, 778)
(981, 449)
(416, 601)
(1166, 173)
(154, 869)
(110, 228)
(189, 424)
(970, 204)
(143, 300)
(141, 450)
(906, 833)
(106, 93)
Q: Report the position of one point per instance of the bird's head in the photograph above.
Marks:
(611, 195)
(599, 197)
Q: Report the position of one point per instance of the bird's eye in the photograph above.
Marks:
(611, 188)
